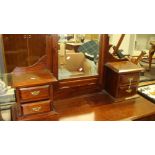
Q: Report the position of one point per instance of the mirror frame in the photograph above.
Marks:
(65, 86)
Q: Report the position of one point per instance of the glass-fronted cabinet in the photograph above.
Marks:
(21, 50)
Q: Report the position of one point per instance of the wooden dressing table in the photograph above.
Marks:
(34, 92)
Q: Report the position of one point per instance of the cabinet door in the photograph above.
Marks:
(15, 51)
(36, 47)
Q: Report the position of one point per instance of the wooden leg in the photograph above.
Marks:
(151, 52)
(136, 61)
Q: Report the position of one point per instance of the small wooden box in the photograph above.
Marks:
(122, 79)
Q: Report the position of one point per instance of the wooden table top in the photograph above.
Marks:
(123, 67)
(100, 107)
(25, 79)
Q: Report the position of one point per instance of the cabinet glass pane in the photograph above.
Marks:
(78, 55)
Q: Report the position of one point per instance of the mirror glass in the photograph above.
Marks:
(78, 55)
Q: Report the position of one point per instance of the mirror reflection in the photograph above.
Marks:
(78, 55)
(137, 48)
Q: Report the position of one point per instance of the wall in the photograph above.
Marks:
(142, 41)
(133, 44)
(92, 36)
(125, 46)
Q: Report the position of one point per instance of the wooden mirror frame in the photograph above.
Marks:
(80, 85)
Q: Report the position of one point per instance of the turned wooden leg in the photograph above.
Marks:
(151, 52)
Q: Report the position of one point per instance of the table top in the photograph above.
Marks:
(99, 107)
(124, 67)
(26, 79)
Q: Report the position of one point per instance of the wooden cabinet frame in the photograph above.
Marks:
(77, 86)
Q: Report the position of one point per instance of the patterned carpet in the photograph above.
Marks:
(148, 92)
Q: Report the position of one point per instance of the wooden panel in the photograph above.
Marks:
(125, 78)
(68, 92)
(15, 50)
(36, 47)
(77, 86)
(38, 107)
(26, 47)
(14, 42)
(111, 81)
(34, 93)
(125, 91)
(77, 82)
(13, 59)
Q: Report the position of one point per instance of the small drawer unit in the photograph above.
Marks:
(34, 93)
(122, 79)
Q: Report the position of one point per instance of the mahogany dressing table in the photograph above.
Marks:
(35, 96)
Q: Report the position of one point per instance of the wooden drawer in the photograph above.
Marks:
(36, 107)
(126, 92)
(34, 93)
(126, 78)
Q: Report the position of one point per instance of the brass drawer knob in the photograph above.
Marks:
(35, 93)
(130, 80)
(36, 108)
(129, 90)
(25, 37)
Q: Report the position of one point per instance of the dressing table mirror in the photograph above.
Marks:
(78, 63)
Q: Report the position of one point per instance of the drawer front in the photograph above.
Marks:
(126, 91)
(38, 107)
(129, 78)
(34, 93)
